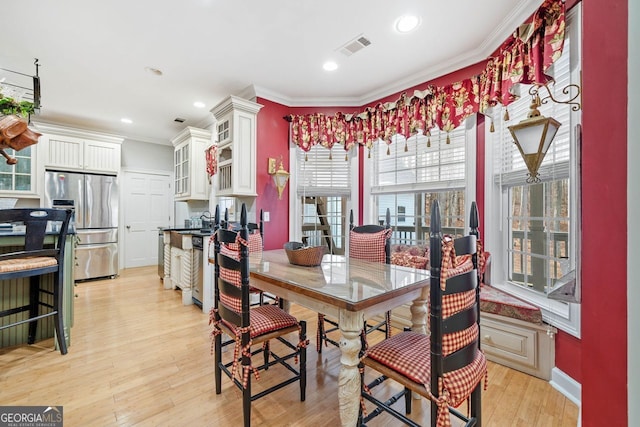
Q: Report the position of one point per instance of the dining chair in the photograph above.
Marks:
(446, 366)
(256, 244)
(370, 243)
(42, 253)
(249, 326)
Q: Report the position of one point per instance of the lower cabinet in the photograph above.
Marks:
(520, 345)
(180, 268)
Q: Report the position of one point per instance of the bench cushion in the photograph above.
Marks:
(493, 300)
(416, 256)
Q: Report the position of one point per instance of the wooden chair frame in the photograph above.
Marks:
(438, 326)
(36, 222)
(241, 320)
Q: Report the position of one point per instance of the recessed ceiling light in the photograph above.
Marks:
(154, 71)
(407, 23)
(125, 120)
(330, 66)
(199, 104)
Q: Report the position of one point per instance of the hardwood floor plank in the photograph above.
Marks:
(138, 357)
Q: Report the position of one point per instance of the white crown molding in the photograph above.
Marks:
(76, 132)
(522, 11)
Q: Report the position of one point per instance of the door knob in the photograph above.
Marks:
(128, 227)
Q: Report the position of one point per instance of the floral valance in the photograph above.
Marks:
(523, 59)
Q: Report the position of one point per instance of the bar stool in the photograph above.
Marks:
(35, 260)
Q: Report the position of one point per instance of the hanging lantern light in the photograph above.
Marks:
(533, 136)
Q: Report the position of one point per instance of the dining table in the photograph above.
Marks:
(351, 290)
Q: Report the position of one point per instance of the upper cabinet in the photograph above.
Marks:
(191, 179)
(236, 135)
(80, 150)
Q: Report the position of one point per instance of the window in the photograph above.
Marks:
(325, 189)
(531, 229)
(17, 177)
(408, 175)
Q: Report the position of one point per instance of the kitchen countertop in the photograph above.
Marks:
(11, 233)
(188, 231)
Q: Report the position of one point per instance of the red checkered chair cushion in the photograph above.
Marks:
(408, 354)
(255, 243)
(266, 318)
(369, 246)
(232, 249)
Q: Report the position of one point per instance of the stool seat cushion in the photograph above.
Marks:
(21, 264)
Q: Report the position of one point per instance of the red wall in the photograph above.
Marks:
(273, 141)
(604, 214)
(569, 355)
(599, 360)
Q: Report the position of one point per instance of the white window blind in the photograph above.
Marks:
(319, 175)
(413, 164)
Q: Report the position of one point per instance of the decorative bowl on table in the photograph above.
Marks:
(306, 256)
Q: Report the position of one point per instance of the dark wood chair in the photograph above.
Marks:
(250, 326)
(252, 226)
(39, 257)
(446, 366)
(256, 244)
(368, 242)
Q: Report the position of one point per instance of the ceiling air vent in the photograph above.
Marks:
(179, 120)
(355, 45)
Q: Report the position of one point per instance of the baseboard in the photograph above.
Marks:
(566, 385)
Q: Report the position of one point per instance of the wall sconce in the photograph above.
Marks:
(280, 176)
(534, 135)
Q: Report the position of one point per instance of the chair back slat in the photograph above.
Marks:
(229, 315)
(461, 358)
(465, 245)
(460, 321)
(461, 283)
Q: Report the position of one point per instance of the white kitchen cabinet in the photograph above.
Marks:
(236, 135)
(191, 179)
(520, 345)
(80, 150)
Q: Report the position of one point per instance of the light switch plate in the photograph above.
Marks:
(265, 216)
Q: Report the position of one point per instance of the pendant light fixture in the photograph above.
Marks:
(533, 135)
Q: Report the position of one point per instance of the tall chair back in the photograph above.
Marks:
(446, 366)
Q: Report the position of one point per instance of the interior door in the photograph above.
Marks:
(146, 206)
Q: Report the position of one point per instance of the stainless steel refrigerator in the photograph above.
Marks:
(95, 200)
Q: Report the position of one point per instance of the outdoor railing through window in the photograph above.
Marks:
(538, 271)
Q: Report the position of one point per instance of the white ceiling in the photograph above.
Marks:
(93, 54)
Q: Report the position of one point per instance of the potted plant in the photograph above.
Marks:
(10, 106)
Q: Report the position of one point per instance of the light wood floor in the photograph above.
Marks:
(139, 357)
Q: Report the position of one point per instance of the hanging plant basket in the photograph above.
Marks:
(9, 106)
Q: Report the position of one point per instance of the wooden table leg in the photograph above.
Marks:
(419, 312)
(349, 378)
(419, 318)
